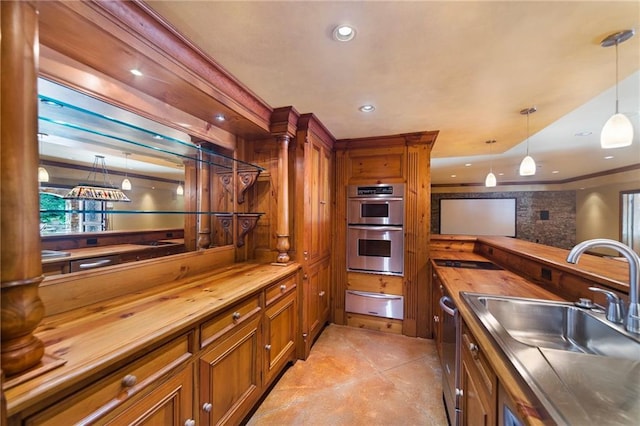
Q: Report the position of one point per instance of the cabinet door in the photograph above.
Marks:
(438, 292)
(478, 382)
(317, 201)
(169, 404)
(230, 376)
(280, 335)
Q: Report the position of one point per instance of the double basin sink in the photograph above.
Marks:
(584, 369)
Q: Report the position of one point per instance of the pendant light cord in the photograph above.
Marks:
(616, 77)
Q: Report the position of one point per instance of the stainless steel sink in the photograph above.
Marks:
(582, 368)
(563, 326)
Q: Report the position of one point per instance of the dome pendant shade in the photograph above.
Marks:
(43, 174)
(490, 181)
(180, 190)
(617, 132)
(528, 166)
(126, 184)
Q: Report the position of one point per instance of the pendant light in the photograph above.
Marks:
(617, 131)
(126, 183)
(180, 189)
(94, 191)
(490, 180)
(43, 174)
(528, 165)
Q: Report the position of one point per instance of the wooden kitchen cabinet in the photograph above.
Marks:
(230, 375)
(145, 391)
(438, 292)
(314, 200)
(478, 382)
(280, 331)
(316, 301)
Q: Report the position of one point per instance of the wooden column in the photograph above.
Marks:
(283, 244)
(21, 272)
(284, 123)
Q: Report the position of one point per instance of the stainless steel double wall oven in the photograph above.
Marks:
(375, 231)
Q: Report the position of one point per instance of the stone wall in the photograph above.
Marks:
(545, 217)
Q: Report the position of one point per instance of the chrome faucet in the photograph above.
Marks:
(632, 323)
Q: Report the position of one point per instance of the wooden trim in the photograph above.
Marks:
(402, 139)
(309, 123)
(284, 121)
(546, 182)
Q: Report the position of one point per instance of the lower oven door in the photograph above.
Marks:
(375, 249)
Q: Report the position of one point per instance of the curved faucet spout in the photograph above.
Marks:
(633, 313)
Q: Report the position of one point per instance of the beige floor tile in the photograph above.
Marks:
(358, 377)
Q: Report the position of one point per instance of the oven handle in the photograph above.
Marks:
(377, 199)
(376, 228)
(444, 301)
(374, 295)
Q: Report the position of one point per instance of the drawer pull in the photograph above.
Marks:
(190, 422)
(267, 347)
(129, 380)
(207, 407)
(436, 318)
(94, 264)
(283, 287)
(474, 350)
(236, 316)
(321, 293)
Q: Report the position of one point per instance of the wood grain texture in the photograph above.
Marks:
(99, 336)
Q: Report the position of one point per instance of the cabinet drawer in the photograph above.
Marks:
(228, 320)
(94, 262)
(482, 371)
(277, 290)
(137, 378)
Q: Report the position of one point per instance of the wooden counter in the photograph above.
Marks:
(511, 282)
(98, 338)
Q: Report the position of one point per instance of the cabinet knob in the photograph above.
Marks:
(305, 277)
(283, 287)
(321, 293)
(474, 350)
(267, 347)
(459, 392)
(436, 318)
(129, 380)
(207, 407)
(236, 316)
(190, 422)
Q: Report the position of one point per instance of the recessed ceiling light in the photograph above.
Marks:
(157, 137)
(555, 172)
(608, 157)
(344, 33)
(500, 174)
(136, 72)
(220, 117)
(585, 133)
(367, 108)
(454, 176)
(467, 165)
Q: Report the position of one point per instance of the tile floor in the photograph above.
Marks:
(358, 377)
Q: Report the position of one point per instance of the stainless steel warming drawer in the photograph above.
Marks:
(377, 304)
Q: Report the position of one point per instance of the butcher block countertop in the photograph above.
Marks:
(506, 283)
(102, 336)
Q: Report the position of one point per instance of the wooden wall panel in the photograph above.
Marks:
(339, 284)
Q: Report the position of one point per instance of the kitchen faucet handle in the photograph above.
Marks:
(615, 305)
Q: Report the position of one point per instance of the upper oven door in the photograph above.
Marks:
(375, 211)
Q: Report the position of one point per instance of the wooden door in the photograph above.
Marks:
(280, 335)
(230, 377)
(169, 404)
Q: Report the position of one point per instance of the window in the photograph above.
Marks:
(630, 221)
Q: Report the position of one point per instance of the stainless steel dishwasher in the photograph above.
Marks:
(451, 360)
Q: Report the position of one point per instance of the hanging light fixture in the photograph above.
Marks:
(126, 183)
(528, 165)
(617, 131)
(180, 189)
(43, 174)
(490, 180)
(105, 192)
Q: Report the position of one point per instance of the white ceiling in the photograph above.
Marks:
(463, 68)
